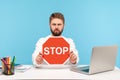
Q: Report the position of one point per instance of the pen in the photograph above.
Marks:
(5, 63)
(13, 61)
(8, 64)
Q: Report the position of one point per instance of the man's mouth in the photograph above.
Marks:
(56, 30)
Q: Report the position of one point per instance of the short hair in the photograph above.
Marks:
(57, 15)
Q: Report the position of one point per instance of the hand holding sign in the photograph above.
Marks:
(73, 57)
(39, 58)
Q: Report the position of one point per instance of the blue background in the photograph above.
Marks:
(88, 22)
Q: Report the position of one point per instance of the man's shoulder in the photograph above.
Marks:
(67, 39)
(42, 40)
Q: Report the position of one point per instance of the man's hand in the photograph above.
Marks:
(73, 58)
(39, 58)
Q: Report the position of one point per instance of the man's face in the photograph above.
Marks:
(56, 26)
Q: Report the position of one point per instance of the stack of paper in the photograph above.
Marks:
(22, 68)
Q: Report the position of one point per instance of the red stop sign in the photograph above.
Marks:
(55, 51)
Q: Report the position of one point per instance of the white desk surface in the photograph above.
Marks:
(35, 73)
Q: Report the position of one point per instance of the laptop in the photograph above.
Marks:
(103, 59)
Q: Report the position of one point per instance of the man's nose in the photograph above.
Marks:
(56, 26)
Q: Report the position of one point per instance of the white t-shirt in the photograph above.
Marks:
(41, 41)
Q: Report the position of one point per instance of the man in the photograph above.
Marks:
(56, 23)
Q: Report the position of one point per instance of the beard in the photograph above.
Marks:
(56, 32)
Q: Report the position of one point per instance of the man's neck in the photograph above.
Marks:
(56, 36)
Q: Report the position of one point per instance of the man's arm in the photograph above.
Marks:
(36, 56)
(74, 58)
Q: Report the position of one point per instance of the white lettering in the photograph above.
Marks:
(55, 50)
(58, 50)
(65, 49)
(52, 48)
(46, 51)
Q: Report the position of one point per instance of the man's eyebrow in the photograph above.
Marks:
(53, 23)
(59, 24)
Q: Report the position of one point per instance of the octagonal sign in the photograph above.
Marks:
(56, 50)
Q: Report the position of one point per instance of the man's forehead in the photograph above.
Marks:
(56, 20)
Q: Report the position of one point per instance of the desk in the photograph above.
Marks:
(35, 73)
